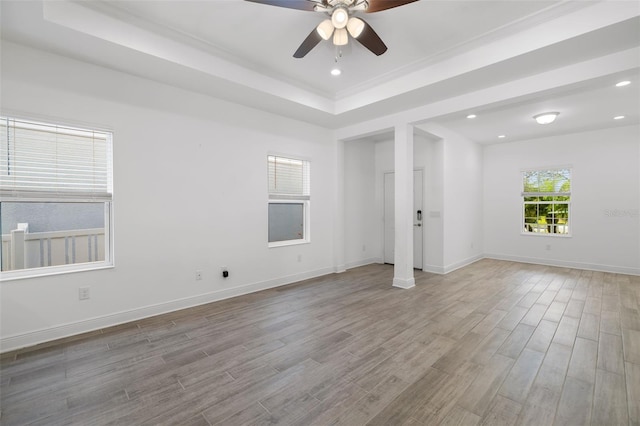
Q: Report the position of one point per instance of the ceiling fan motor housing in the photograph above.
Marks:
(346, 3)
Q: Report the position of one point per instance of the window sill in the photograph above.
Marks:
(53, 270)
(541, 234)
(288, 243)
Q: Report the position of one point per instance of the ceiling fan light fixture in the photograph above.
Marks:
(339, 18)
(355, 27)
(339, 14)
(546, 117)
(325, 29)
(340, 37)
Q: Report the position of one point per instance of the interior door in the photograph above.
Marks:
(389, 218)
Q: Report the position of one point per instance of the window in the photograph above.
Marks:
(55, 198)
(289, 195)
(546, 198)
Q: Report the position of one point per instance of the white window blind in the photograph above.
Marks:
(43, 161)
(288, 178)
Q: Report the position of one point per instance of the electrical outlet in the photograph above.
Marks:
(83, 293)
(198, 275)
(364, 248)
(299, 258)
(225, 271)
(548, 247)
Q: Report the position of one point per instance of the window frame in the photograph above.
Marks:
(303, 199)
(524, 203)
(306, 239)
(109, 252)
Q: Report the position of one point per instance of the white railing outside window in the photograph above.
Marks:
(24, 250)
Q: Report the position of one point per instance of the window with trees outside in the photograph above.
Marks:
(289, 198)
(55, 198)
(546, 198)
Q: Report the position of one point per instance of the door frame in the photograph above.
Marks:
(382, 215)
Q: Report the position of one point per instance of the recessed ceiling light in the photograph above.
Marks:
(546, 117)
(471, 116)
(618, 117)
(502, 136)
(623, 83)
(336, 71)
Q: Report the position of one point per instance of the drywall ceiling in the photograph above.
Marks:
(264, 37)
(444, 57)
(582, 107)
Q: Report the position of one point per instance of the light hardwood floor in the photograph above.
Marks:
(492, 343)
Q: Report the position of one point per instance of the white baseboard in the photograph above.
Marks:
(566, 264)
(434, 269)
(32, 338)
(363, 262)
(36, 337)
(462, 263)
(404, 284)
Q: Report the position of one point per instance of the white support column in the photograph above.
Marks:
(339, 215)
(403, 147)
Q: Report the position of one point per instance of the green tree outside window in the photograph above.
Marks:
(546, 196)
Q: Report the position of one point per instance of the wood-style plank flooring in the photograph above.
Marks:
(492, 343)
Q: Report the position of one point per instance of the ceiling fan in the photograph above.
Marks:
(341, 22)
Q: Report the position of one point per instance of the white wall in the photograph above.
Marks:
(362, 242)
(190, 191)
(463, 210)
(459, 168)
(605, 179)
(384, 163)
(433, 207)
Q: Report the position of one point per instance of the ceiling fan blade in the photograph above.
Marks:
(378, 5)
(369, 39)
(309, 43)
(290, 4)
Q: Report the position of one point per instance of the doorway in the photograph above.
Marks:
(389, 218)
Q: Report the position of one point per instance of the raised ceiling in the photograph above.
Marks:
(264, 37)
(504, 59)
